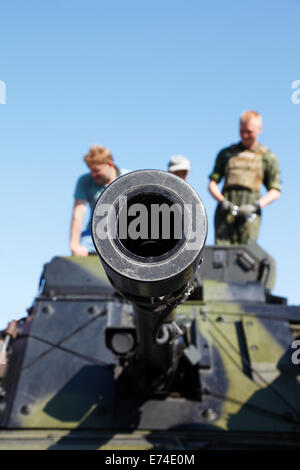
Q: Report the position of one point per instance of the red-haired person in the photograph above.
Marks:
(87, 191)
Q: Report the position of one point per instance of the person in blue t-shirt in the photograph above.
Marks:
(87, 191)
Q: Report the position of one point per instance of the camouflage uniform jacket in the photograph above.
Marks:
(270, 166)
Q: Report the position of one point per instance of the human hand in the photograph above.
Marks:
(246, 210)
(80, 251)
(226, 206)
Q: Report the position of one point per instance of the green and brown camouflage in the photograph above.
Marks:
(59, 389)
(269, 174)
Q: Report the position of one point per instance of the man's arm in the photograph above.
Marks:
(247, 209)
(217, 175)
(272, 180)
(214, 191)
(79, 210)
(269, 197)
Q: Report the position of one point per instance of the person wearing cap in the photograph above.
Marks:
(87, 191)
(245, 166)
(179, 166)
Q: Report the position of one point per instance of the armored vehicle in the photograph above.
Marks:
(162, 343)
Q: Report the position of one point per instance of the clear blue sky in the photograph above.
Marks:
(147, 79)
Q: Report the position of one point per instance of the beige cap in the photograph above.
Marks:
(178, 162)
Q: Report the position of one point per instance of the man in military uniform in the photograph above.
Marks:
(245, 166)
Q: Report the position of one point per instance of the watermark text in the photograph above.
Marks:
(2, 92)
(150, 222)
(2, 353)
(296, 354)
(296, 94)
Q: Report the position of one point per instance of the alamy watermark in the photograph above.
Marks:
(150, 222)
(296, 94)
(2, 92)
(2, 352)
(296, 354)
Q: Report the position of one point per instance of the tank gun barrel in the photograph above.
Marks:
(149, 228)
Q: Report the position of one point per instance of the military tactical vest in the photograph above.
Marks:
(246, 169)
